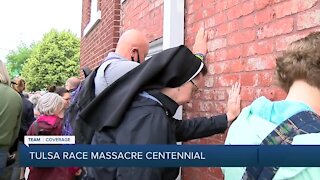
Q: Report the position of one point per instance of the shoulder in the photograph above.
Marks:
(11, 95)
(145, 108)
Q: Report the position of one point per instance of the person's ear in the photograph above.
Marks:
(133, 51)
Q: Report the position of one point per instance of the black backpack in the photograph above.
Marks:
(82, 96)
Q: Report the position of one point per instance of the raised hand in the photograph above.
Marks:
(200, 44)
(233, 104)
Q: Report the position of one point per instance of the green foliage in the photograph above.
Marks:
(16, 59)
(54, 59)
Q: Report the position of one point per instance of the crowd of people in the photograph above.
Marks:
(135, 101)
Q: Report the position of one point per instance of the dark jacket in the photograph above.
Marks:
(149, 122)
(27, 117)
(26, 120)
(169, 68)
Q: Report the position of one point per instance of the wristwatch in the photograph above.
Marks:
(200, 56)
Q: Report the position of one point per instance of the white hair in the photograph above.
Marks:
(4, 75)
(50, 104)
(34, 98)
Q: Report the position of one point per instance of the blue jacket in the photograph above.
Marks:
(256, 122)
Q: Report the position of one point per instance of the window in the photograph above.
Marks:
(95, 17)
(155, 47)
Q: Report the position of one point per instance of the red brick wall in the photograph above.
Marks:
(103, 38)
(146, 16)
(244, 37)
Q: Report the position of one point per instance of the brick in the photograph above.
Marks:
(219, 109)
(217, 44)
(219, 95)
(220, 6)
(234, 52)
(265, 78)
(260, 63)
(231, 3)
(282, 26)
(208, 23)
(247, 93)
(247, 22)
(282, 42)
(207, 94)
(208, 3)
(220, 54)
(189, 19)
(234, 12)
(292, 7)
(210, 57)
(233, 26)
(237, 65)
(280, 94)
(208, 12)
(263, 16)
(249, 79)
(226, 80)
(249, 49)
(260, 4)
(220, 18)
(260, 48)
(206, 106)
(198, 16)
(193, 7)
(264, 47)
(222, 30)
(308, 19)
(247, 8)
(221, 67)
(208, 82)
(241, 37)
(266, 92)
(211, 69)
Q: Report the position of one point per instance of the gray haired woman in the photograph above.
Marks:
(50, 122)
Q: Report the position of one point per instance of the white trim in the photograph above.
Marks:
(173, 23)
(198, 71)
(173, 31)
(95, 17)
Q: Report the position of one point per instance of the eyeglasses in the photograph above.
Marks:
(197, 88)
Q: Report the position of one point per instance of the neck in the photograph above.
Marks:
(303, 92)
(171, 93)
(125, 54)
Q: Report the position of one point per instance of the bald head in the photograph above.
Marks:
(133, 44)
(72, 83)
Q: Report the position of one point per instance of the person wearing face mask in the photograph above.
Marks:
(132, 48)
(138, 108)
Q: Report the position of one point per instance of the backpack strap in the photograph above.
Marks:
(304, 122)
(100, 76)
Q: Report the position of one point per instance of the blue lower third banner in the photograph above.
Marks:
(169, 156)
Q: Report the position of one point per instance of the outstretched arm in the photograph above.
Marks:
(204, 127)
